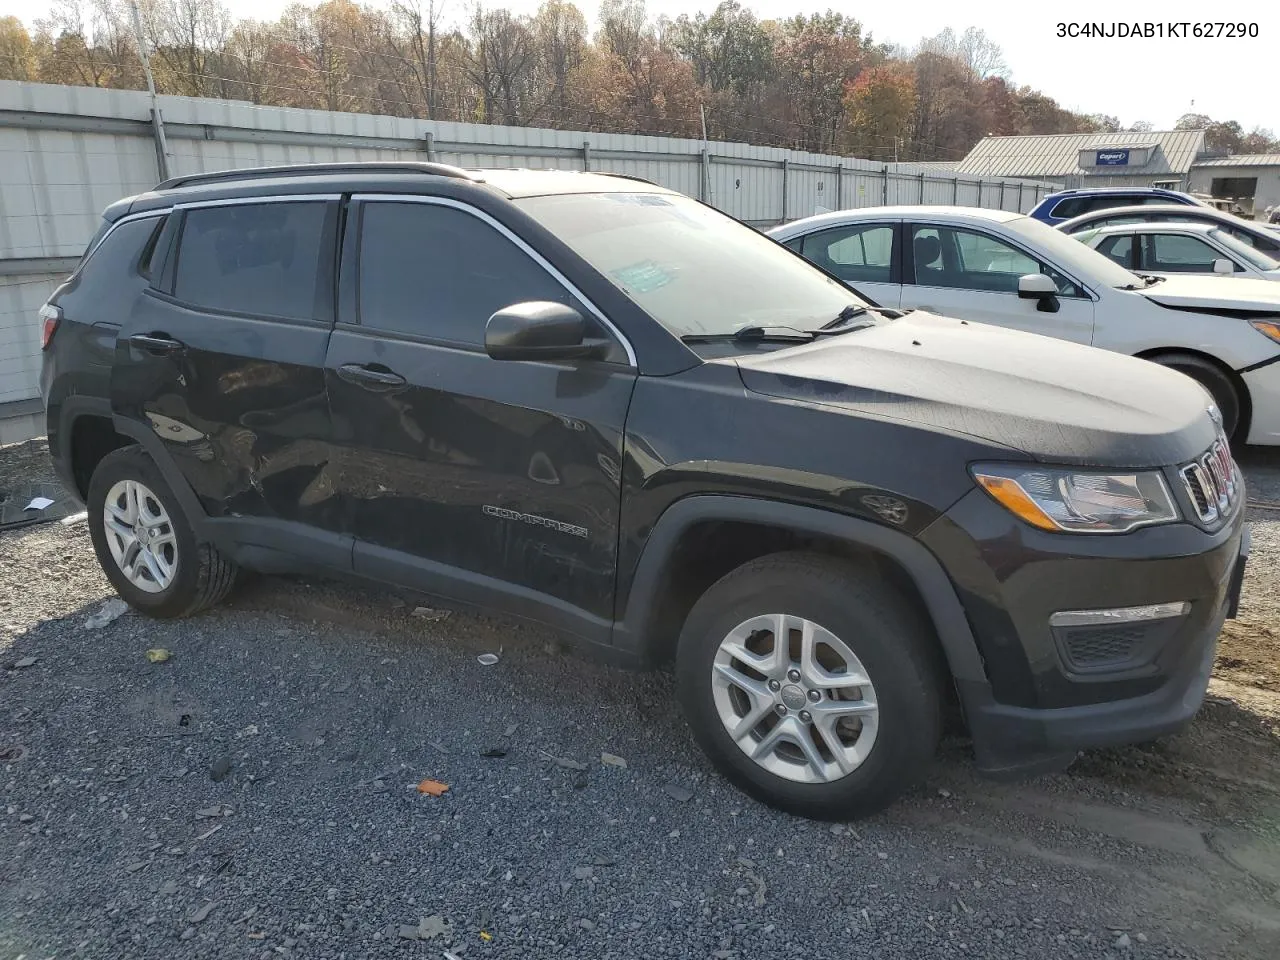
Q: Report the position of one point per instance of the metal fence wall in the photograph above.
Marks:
(67, 152)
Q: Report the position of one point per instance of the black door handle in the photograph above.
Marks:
(156, 343)
(369, 376)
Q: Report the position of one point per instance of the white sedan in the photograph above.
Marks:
(1167, 248)
(1007, 269)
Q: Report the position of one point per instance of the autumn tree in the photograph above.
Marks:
(17, 53)
(560, 50)
(416, 44)
(816, 57)
(641, 83)
(501, 63)
(881, 104)
(813, 81)
(88, 43)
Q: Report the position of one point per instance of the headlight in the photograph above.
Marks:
(1268, 328)
(1078, 501)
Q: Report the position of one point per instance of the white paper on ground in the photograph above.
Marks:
(39, 503)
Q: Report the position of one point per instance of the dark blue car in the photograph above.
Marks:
(1066, 204)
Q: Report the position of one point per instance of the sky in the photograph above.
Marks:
(1156, 79)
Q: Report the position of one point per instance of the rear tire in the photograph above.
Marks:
(145, 542)
(1214, 379)
(860, 629)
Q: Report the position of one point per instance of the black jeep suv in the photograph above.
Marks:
(595, 403)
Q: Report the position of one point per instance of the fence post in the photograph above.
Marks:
(1019, 196)
(884, 185)
(839, 168)
(955, 191)
(922, 188)
(586, 156)
(786, 171)
(704, 187)
(1002, 186)
(431, 147)
(162, 146)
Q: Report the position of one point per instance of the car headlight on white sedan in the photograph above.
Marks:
(1067, 500)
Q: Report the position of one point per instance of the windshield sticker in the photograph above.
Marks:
(642, 277)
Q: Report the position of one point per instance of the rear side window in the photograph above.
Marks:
(1118, 248)
(1070, 207)
(1109, 200)
(859, 253)
(260, 259)
(439, 272)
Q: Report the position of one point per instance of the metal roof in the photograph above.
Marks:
(1058, 155)
(1242, 160)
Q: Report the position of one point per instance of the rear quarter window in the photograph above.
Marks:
(100, 291)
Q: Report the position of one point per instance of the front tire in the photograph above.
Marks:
(810, 685)
(146, 544)
(1219, 384)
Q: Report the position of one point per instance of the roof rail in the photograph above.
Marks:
(318, 170)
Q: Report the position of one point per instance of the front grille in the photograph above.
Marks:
(1210, 482)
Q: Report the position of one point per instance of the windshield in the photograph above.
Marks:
(1072, 255)
(1244, 251)
(694, 270)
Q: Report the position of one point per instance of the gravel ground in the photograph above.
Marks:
(255, 796)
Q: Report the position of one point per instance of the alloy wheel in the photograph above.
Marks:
(140, 536)
(795, 698)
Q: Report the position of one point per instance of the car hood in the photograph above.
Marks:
(1055, 401)
(1208, 292)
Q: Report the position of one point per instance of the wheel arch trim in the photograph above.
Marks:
(942, 604)
(153, 446)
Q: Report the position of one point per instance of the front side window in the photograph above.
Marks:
(1243, 251)
(691, 268)
(1178, 253)
(1270, 247)
(261, 259)
(971, 260)
(435, 271)
(858, 253)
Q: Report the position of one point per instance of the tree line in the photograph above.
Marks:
(816, 81)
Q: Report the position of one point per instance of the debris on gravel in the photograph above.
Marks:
(106, 614)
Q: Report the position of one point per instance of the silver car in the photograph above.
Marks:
(1258, 235)
(1166, 248)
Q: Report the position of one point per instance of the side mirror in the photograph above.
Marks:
(1036, 286)
(1223, 265)
(540, 330)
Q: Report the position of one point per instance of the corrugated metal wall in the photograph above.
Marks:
(67, 152)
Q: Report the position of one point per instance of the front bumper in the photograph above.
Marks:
(1017, 741)
(1263, 384)
(1040, 704)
